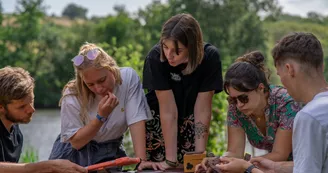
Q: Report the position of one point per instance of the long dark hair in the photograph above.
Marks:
(247, 73)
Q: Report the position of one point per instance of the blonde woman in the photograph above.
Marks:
(97, 107)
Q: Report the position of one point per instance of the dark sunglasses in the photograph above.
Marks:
(243, 98)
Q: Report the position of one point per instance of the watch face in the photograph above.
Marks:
(103, 119)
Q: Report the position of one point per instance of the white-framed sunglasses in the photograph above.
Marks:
(91, 55)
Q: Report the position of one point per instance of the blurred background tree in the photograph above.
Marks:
(74, 11)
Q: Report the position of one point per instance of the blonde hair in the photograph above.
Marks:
(15, 84)
(78, 88)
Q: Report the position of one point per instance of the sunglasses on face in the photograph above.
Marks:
(243, 98)
(91, 55)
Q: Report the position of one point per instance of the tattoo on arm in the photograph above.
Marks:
(200, 130)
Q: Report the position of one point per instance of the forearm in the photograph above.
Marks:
(13, 168)
(233, 154)
(138, 134)
(203, 114)
(86, 134)
(169, 124)
(274, 156)
(40, 167)
(202, 123)
(284, 167)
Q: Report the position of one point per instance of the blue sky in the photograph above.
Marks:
(104, 7)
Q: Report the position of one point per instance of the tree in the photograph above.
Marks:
(75, 11)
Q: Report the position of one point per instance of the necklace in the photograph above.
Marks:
(256, 118)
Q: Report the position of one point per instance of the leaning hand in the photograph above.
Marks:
(233, 165)
(201, 168)
(165, 166)
(148, 164)
(264, 164)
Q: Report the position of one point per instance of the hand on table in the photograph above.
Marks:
(264, 164)
(152, 165)
(208, 165)
(233, 165)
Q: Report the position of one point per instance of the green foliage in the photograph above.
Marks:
(277, 30)
(125, 56)
(29, 155)
(73, 11)
(217, 138)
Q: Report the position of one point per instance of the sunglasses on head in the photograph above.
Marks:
(91, 55)
(243, 98)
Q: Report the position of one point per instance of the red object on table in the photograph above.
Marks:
(117, 162)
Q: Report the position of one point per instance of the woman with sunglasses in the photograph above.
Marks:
(262, 112)
(181, 74)
(97, 107)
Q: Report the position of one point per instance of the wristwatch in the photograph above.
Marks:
(250, 168)
(101, 118)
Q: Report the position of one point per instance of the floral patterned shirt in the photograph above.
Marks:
(279, 114)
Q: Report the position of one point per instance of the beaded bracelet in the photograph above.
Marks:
(172, 164)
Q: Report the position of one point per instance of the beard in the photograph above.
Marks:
(16, 120)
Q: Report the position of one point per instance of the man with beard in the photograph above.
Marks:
(17, 106)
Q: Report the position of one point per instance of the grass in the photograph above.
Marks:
(29, 155)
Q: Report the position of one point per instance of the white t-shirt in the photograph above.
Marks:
(132, 108)
(310, 136)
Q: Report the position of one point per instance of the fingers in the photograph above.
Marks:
(223, 167)
(103, 100)
(143, 165)
(203, 163)
(225, 159)
(154, 166)
(160, 166)
(209, 170)
(197, 168)
(157, 166)
(112, 101)
(148, 164)
(107, 104)
(256, 160)
(80, 169)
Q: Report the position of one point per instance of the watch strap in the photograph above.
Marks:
(101, 118)
(250, 168)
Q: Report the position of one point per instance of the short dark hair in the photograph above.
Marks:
(304, 48)
(247, 73)
(184, 28)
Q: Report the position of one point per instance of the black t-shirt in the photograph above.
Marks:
(159, 75)
(10, 143)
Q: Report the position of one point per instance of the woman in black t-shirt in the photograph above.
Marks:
(181, 74)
